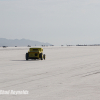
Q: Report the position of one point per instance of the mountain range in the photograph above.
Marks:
(21, 42)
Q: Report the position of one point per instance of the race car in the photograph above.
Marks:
(35, 53)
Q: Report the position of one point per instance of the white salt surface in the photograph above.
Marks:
(68, 73)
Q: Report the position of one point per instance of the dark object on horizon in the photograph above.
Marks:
(51, 45)
(15, 46)
(81, 45)
(4, 46)
(28, 46)
(43, 45)
(62, 45)
(68, 45)
(89, 45)
(94, 45)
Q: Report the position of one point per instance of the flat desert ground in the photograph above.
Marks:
(68, 73)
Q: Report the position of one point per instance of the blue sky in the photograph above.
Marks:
(54, 21)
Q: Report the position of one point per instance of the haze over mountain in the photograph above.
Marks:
(21, 42)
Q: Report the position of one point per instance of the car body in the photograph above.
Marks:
(35, 53)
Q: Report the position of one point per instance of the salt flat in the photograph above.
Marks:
(68, 73)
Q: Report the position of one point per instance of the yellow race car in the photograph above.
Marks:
(35, 53)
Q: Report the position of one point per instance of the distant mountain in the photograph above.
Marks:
(21, 42)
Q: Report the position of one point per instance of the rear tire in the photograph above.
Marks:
(26, 56)
(44, 56)
(41, 56)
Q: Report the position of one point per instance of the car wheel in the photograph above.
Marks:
(26, 56)
(44, 56)
(41, 56)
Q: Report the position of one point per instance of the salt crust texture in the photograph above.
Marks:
(68, 73)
